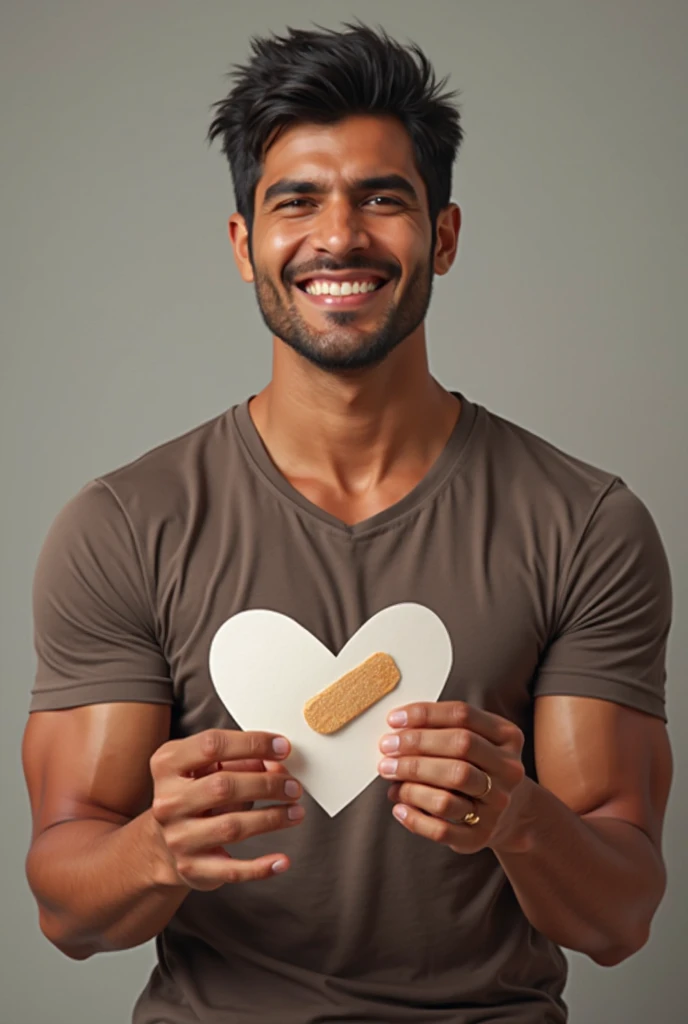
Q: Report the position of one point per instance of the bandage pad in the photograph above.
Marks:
(352, 694)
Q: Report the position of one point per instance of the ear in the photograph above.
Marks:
(447, 241)
(238, 236)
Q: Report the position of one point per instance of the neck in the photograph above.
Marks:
(353, 430)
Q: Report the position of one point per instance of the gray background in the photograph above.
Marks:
(124, 321)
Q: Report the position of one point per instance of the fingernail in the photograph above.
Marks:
(296, 812)
(280, 746)
(397, 718)
(400, 812)
(280, 865)
(389, 744)
(388, 766)
(292, 788)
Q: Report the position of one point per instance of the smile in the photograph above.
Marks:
(341, 294)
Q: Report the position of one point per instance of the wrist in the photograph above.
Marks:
(162, 871)
(516, 831)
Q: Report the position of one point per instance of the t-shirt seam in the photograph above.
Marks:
(148, 589)
(605, 688)
(599, 676)
(99, 683)
(373, 531)
(559, 600)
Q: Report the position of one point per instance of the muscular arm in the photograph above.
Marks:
(127, 822)
(96, 865)
(582, 848)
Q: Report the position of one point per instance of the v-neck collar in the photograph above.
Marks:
(435, 477)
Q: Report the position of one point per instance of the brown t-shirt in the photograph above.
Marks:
(550, 577)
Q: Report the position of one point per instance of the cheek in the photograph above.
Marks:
(272, 253)
(281, 245)
(410, 245)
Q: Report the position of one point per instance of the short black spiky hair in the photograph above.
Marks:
(322, 76)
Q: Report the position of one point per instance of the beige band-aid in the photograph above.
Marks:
(352, 694)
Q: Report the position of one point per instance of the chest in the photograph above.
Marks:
(488, 585)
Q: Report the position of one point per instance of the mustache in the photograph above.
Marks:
(388, 270)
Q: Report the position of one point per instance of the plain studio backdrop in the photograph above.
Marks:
(125, 323)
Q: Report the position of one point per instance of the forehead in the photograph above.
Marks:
(357, 147)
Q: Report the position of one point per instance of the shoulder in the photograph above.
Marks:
(605, 506)
(527, 459)
(121, 515)
(165, 493)
(573, 511)
(164, 477)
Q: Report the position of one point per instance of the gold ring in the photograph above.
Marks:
(470, 818)
(488, 789)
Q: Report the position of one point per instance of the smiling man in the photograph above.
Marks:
(519, 813)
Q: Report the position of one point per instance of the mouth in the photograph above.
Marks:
(342, 293)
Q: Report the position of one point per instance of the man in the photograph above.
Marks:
(518, 813)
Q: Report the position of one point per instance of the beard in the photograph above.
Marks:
(339, 347)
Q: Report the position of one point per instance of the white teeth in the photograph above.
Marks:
(341, 288)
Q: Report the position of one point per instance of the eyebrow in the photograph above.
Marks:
(381, 183)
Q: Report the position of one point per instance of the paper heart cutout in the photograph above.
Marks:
(265, 666)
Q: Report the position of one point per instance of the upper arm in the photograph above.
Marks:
(612, 617)
(91, 761)
(604, 760)
(96, 635)
(102, 693)
(600, 738)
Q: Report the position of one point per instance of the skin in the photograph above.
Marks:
(124, 829)
(352, 441)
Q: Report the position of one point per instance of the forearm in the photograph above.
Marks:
(589, 884)
(102, 886)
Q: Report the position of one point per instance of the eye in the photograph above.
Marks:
(384, 200)
(299, 202)
(293, 204)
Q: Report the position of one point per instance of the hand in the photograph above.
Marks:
(204, 789)
(447, 760)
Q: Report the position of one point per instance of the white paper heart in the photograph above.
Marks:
(265, 666)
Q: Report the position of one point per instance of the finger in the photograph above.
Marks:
(182, 757)
(211, 871)
(458, 744)
(224, 789)
(221, 790)
(441, 772)
(191, 836)
(208, 769)
(277, 768)
(438, 802)
(453, 714)
(462, 838)
(245, 765)
(235, 766)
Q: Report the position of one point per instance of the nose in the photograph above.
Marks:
(339, 229)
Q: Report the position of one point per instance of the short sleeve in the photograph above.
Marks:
(614, 611)
(94, 629)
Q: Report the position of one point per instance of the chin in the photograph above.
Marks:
(344, 359)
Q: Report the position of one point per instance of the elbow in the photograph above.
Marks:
(614, 954)
(75, 952)
(636, 931)
(57, 938)
(611, 957)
